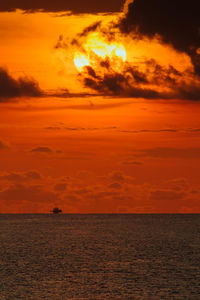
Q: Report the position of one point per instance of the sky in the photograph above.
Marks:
(99, 106)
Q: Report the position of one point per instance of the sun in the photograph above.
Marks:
(81, 60)
(97, 49)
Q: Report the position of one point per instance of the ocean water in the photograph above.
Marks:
(100, 257)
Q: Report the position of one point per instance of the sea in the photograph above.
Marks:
(99, 256)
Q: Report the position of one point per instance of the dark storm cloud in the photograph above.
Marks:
(132, 82)
(114, 83)
(13, 88)
(117, 85)
(177, 22)
(76, 6)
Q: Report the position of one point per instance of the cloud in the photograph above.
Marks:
(115, 185)
(162, 197)
(149, 79)
(167, 130)
(87, 30)
(117, 176)
(14, 88)
(80, 128)
(17, 176)
(164, 130)
(42, 150)
(167, 152)
(53, 128)
(33, 193)
(177, 23)
(23, 176)
(76, 6)
(60, 187)
(3, 145)
(176, 184)
(135, 163)
(115, 77)
(76, 194)
(166, 195)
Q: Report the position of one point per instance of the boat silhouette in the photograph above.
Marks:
(56, 210)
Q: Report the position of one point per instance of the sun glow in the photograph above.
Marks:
(97, 49)
(81, 60)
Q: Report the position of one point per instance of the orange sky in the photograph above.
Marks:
(91, 154)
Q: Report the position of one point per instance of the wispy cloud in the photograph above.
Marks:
(41, 149)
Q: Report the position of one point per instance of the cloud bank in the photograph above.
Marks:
(112, 193)
(76, 6)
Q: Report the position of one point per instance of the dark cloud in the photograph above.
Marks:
(164, 130)
(76, 6)
(42, 150)
(80, 128)
(64, 93)
(114, 83)
(13, 88)
(130, 81)
(177, 22)
(189, 92)
(89, 29)
(167, 130)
